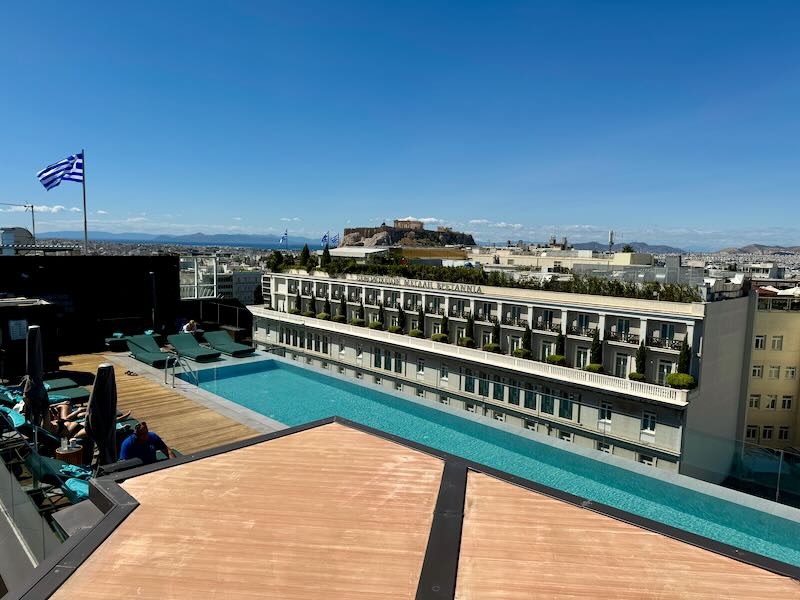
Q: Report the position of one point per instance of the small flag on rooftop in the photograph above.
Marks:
(325, 239)
(285, 237)
(335, 240)
(69, 169)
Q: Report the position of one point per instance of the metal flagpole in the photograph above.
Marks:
(33, 223)
(85, 224)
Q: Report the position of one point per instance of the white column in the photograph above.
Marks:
(643, 331)
(564, 317)
(601, 326)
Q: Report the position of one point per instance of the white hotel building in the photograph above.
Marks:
(690, 431)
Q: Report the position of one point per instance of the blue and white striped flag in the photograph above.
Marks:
(69, 169)
(335, 240)
(285, 237)
(325, 238)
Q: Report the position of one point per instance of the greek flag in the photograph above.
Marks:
(325, 239)
(69, 169)
(335, 240)
(285, 237)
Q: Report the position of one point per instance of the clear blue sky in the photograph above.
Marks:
(675, 121)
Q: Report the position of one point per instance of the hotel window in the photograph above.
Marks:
(583, 322)
(581, 357)
(623, 326)
(547, 318)
(513, 391)
(604, 447)
(420, 366)
(766, 432)
(486, 338)
(530, 397)
(420, 392)
(649, 422)
(548, 404)
(395, 321)
(565, 436)
(565, 408)
(387, 360)
(755, 400)
(758, 371)
(648, 460)
(772, 401)
(667, 331)
(605, 412)
(483, 384)
(774, 372)
(515, 342)
(376, 354)
(547, 350)
(469, 381)
(443, 373)
(398, 362)
(786, 403)
(324, 344)
(437, 328)
(752, 432)
(761, 342)
(621, 365)
(414, 324)
(783, 433)
(499, 392)
(777, 342)
(460, 333)
(791, 372)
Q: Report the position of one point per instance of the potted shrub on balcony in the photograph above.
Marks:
(440, 337)
(357, 322)
(466, 342)
(594, 368)
(395, 329)
(681, 381)
(309, 313)
(339, 319)
(376, 325)
(416, 333)
(294, 311)
(641, 364)
(636, 376)
(557, 359)
(492, 347)
(522, 353)
(324, 316)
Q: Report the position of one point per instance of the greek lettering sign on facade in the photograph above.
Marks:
(444, 286)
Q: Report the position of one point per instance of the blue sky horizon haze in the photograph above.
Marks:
(669, 122)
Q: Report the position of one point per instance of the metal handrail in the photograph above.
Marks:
(179, 360)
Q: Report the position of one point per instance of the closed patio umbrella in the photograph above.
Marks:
(34, 394)
(101, 415)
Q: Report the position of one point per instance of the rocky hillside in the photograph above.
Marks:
(761, 249)
(390, 236)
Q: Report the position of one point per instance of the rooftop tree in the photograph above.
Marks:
(326, 257)
(596, 351)
(304, 256)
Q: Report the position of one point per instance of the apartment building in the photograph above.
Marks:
(773, 418)
(690, 431)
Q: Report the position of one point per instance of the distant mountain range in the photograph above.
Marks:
(216, 239)
(762, 249)
(638, 246)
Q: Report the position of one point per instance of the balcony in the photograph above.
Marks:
(461, 314)
(659, 342)
(482, 316)
(582, 331)
(545, 326)
(624, 337)
(514, 322)
(435, 310)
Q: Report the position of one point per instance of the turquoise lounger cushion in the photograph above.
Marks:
(17, 419)
(74, 471)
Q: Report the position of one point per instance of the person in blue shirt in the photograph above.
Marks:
(143, 444)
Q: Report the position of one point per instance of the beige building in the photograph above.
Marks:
(555, 259)
(772, 415)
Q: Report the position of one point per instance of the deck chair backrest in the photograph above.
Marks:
(183, 341)
(145, 343)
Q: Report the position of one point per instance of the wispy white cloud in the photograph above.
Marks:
(41, 208)
(426, 220)
(478, 221)
(237, 218)
(136, 220)
(101, 212)
(290, 219)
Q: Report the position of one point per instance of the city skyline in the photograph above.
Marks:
(668, 124)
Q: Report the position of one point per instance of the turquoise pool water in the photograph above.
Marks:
(293, 395)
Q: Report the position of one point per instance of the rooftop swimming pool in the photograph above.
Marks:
(295, 395)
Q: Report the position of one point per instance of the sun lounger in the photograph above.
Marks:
(145, 349)
(57, 474)
(61, 383)
(77, 395)
(186, 345)
(219, 340)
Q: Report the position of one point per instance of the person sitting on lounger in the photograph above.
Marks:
(190, 327)
(143, 444)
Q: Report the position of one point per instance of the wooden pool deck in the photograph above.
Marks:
(184, 424)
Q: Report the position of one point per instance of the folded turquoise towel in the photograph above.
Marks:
(17, 419)
(117, 335)
(148, 332)
(75, 471)
(79, 487)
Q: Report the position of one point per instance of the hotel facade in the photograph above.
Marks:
(694, 432)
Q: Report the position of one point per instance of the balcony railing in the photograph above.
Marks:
(518, 322)
(482, 316)
(554, 327)
(583, 331)
(659, 342)
(433, 310)
(455, 312)
(626, 338)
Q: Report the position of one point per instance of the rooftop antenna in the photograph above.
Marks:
(610, 240)
(33, 218)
